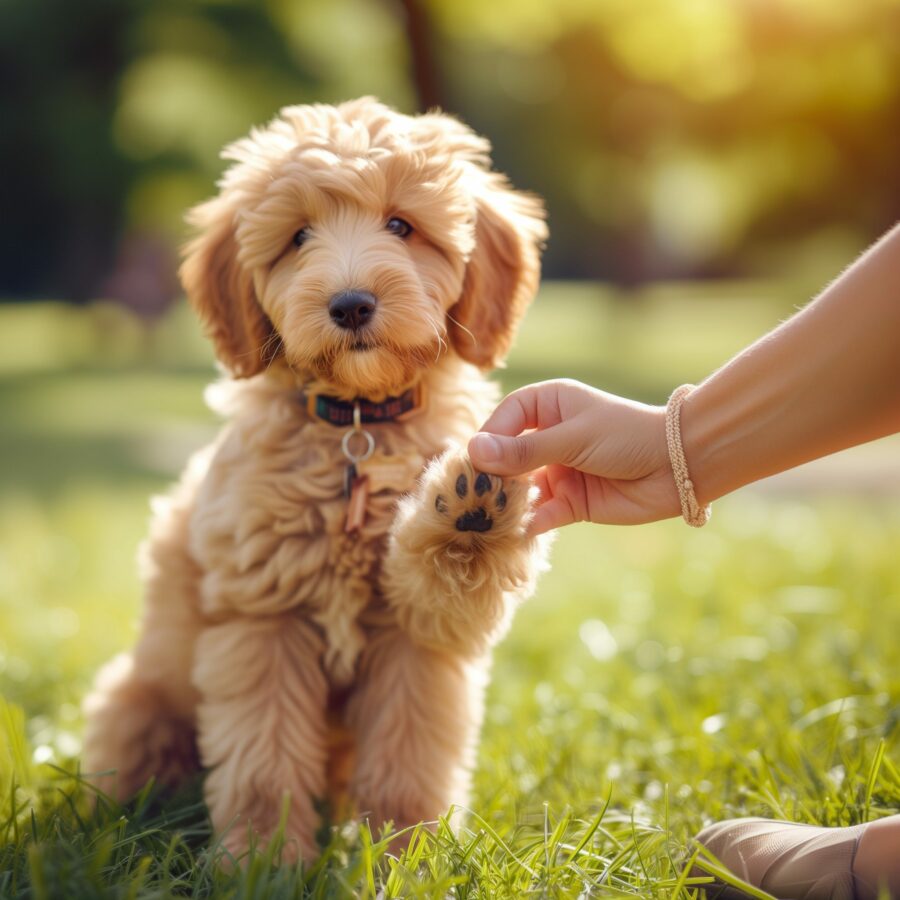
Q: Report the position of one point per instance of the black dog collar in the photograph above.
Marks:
(340, 412)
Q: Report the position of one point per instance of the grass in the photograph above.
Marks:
(662, 677)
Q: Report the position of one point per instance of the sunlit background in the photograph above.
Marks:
(707, 165)
(671, 138)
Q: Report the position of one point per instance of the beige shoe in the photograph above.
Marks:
(788, 860)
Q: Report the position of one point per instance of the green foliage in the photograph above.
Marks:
(661, 678)
(15, 760)
(669, 138)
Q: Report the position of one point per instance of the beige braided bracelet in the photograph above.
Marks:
(695, 515)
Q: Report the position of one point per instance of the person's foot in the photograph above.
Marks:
(788, 860)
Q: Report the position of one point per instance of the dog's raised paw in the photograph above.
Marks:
(486, 495)
(476, 502)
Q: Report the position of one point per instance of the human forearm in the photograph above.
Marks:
(826, 379)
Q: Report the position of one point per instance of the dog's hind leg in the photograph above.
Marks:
(416, 716)
(140, 714)
(262, 730)
(133, 734)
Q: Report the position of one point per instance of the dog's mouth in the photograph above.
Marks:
(369, 365)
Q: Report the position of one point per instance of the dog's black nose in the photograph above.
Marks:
(352, 309)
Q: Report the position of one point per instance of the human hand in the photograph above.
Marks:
(598, 457)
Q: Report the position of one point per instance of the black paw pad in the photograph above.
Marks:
(440, 504)
(500, 500)
(482, 484)
(462, 486)
(474, 520)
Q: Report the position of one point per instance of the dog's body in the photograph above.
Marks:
(283, 648)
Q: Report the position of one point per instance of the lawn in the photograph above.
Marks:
(661, 678)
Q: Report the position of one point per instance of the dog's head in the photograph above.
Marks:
(358, 244)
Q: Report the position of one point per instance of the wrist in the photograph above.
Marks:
(705, 438)
(693, 512)
(670, 501)
(721, 427)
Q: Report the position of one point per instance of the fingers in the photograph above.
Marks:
(503, 455)
(549, 512)
(553, 514)
(503, 449)
(533, 406)
(515, 412)
(559, 489)
(568, 496)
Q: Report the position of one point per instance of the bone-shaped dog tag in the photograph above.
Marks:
(356, 507)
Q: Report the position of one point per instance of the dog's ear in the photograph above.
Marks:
(222, 292)
(502, 274)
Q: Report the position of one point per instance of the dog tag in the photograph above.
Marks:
(391, 471)
(356, 508)
(350, 475)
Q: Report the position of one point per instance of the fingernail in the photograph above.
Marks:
(486, 446)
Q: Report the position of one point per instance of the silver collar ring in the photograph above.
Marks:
(357, 457)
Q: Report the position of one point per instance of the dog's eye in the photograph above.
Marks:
(301, 236)
(400, 227)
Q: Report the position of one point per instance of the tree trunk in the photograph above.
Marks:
(420, 36)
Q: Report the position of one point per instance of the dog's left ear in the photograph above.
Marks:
(502, 274)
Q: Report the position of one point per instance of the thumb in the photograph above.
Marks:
(503, 455)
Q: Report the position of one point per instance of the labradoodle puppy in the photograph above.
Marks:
(324, 585)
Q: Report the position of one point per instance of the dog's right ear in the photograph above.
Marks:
(222, 293)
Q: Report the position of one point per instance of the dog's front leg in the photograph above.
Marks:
(262, 730)
(415, 714)
(459, 557)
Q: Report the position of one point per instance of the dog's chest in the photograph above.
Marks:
(269, 529)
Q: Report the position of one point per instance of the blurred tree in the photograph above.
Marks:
(64, 180)
(423, 53)
(671, 138)
(691, 138)
(114, 112)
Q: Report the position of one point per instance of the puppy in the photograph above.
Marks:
(324, 586)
